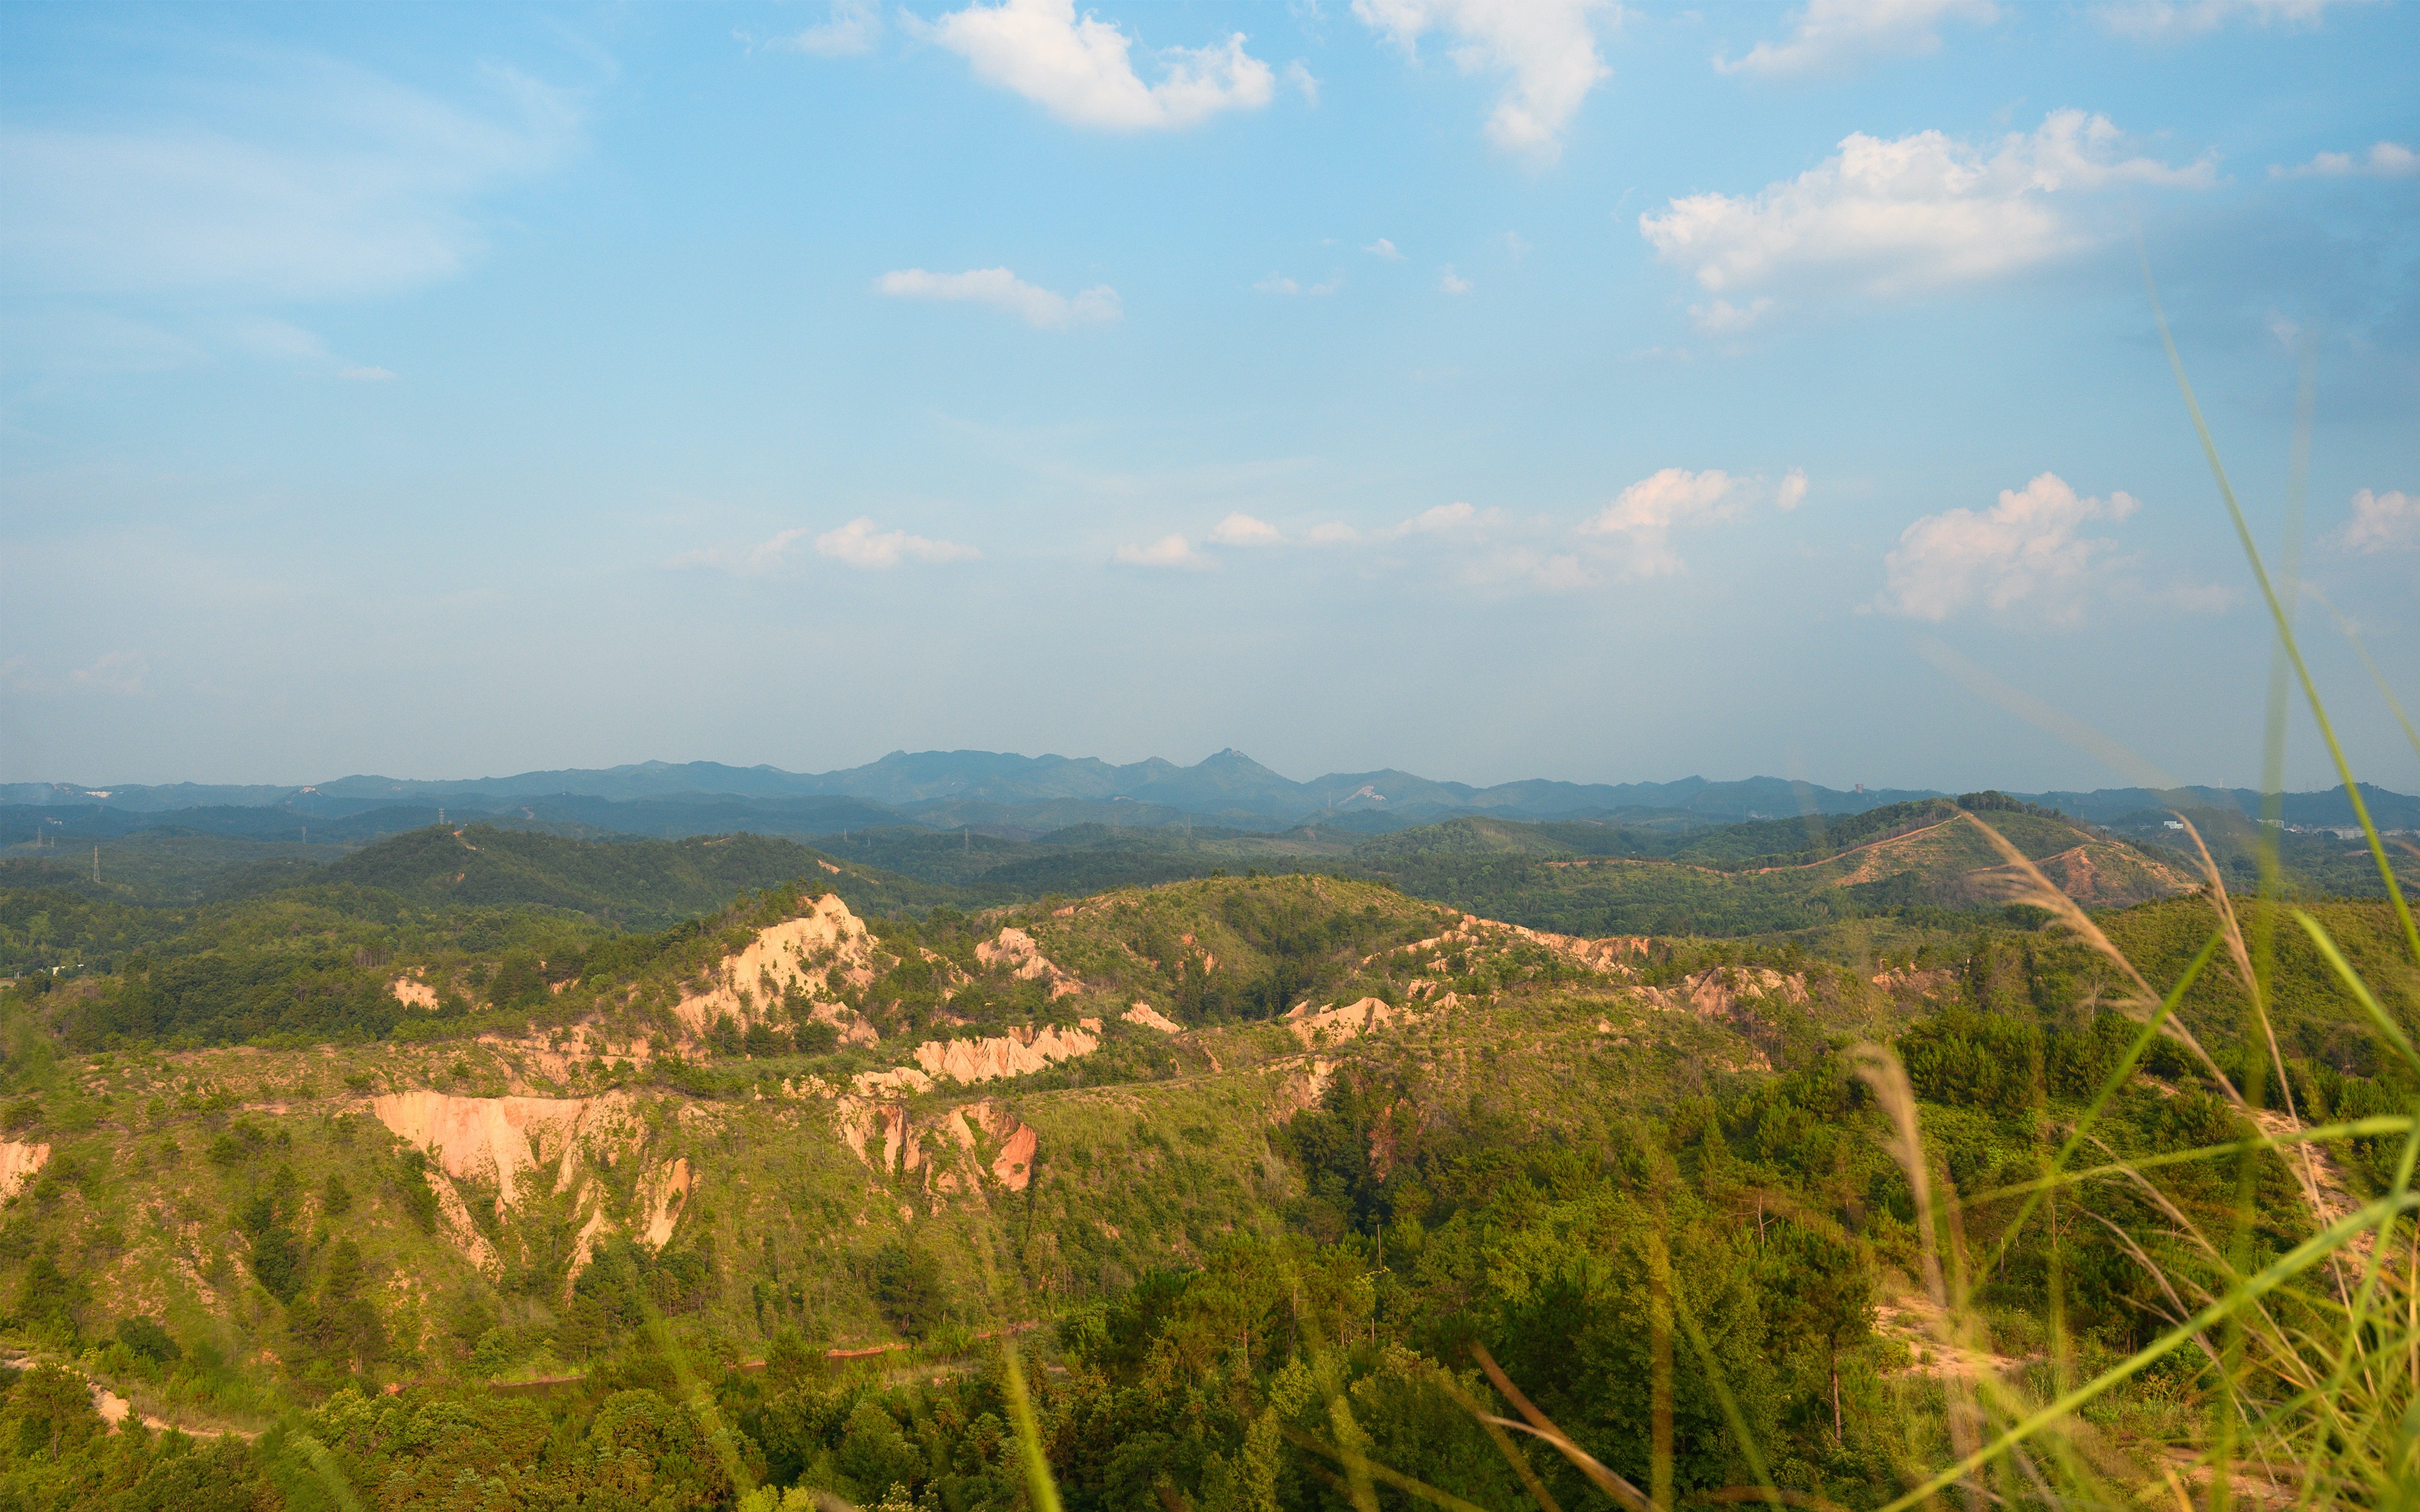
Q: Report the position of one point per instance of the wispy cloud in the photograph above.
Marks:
(1279, 283)
(2384, 160)
(1081, 71)
(1168, 551)
(1003, 290)
(1545, 48)
(1384, 248)
(852, 29)
(122, 673)
(361, 187)
(1449, 281)
(860, 544)
(2163, 19)
(1831, 35)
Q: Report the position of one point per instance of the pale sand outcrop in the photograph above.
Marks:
(1334, 1026)
(1017, 948)
(898, 1079)
(1719, 991)
(1150, 1018)
(505, 1139)
(1015, 1054)
(413, 993)
(963, 1132)
(663, 1197)
(499, 1137)
(780, 959)
(18, 1164)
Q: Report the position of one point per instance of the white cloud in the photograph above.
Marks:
(1080, 71)
(1640, 520)
(2384, 160)
(1003, 290)
(2026, 555)
(1548, 47)
(1335, 532)
(2381, 522)
(1517, 246)
(1792, 491)
(2166, 18)
(861, 546)
(747, 561)
(1243, 529)
(360, 187)
(852, 31)
(1834, 34)
(1920, 211)
(1440, 518)
(366, 375)
(1384, 248)
(1449, 281)
(1168, 551)
(1300, 77)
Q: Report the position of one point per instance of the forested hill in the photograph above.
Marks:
(452, 1200)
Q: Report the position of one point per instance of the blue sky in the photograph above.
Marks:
(1483, 388)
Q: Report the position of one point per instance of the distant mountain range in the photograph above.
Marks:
(1002, 794)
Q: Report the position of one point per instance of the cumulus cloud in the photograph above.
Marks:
(2381, 522)
(852, 30)
(1920, 211)
(1384, 248)
(1546, 47)
(326, 182)
(1830, 35)
(1243, 529)
(2169, 19)
(1003, 290)
(2384, 160)
(862, 546)
(1449, 281)
(1792, 491)
(1080, 71)
(1168, 551)
(2026, 555)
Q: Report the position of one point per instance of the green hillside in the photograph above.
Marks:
(1221, 1151)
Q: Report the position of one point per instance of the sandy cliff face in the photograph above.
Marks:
(807, 955)
(1014, 1054)
(20, 1163)
(1015, 949)
(514, 1143)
